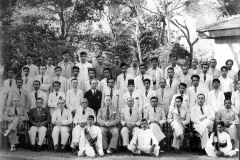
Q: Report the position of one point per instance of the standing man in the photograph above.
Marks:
(84, 66)
(66, 65)
(178, 118)
(27, 80)
(134, 70)
(147, 93)
(99, 68)
(9, 83)
(59, 78)
(94, 97)
(182, 93)
(205, 78)
(103, 82)
(130, 120)
(155, 73)
(194, 70)
(236, 98)
(50, 68)
(75, 73)
(231, 73)
(87, 83)
(39, 118)
(227, 84)
(216, 97)
(172, 83)
(213, 71)
(164, 96)
(44, 79)
(176, 69)
(116, 69)
(202, 117)
(185, 77)
(61, 119)
(122, 79)
(139, 79)
(108, 118)
(33, 70)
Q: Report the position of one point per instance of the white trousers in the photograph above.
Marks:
(41, 134)
(76, 134)
(90, 152)
(178, 129)
(232, 131)
(211, 153)
(64, 130)
(125, 134)
(157, 131)
(144, 148)
(203, 128)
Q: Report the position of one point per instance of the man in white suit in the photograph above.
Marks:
(130, 120)
(185, 77)
(155, 73)
(27, 80)
(61, 119)
(80, 120)
(122, 79)
(236, 98)
(59, 78)
(44, 79)
(182, 92)
(50, 68)
(213, 71)
(156, 118)
(194, 90)
(202, 117)
(9, 83)
(134, 70)
(87, 83)
(172, 83)
(66, 65)
(139, 79)
(103, 82)
(194, 70)
(147, 93)
(205, 78)
(33, 69)
(55, 96)
(176, 69)
(37, 93)
(74, 97)
(75, 73)
(216, 97)
(115, 94)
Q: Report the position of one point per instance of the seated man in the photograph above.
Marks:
(178, 117)
(108, 118)
(91, 140)
(80, 120)
(230, 119)
(202, 117)
(219, 144)
(39, 118)
(15, 115)
(156, 118)
(130, 119)
(141, 141)
(61, 119)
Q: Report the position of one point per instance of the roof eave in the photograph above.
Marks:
(219, 33)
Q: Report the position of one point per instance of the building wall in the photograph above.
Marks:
(227, 48)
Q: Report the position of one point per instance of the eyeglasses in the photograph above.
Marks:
(84, 102)
(61, 103)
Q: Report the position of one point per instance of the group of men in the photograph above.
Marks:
(99, 100)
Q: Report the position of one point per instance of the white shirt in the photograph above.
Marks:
(144, 137)
(226, 84)
(231, 74)
(177, 71)
(84, 70)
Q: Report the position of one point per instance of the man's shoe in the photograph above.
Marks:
(33, 148)
(13, 148)
(109, 151)
(63, 148)
(38, 148)
(75, 153)
(56, 148)
(74, 149)
(202, 152)
(177, 151)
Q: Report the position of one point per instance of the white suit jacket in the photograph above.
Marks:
(103, 85)
(84, 70)
(184, 115)
(208, 83)
(33, 70)
(28, 83)
(45, 87)
(132, 72)
(185, 102)
(122, 84)
(80, 83)
(66, 71)
(138, 103)
(40, 94)
(157, 75)
(139, 83)
(135, 118)
(6, 84)
(193, 96)
(117, 98)
(79, 117)
(177, 71)
(159, 116)
(50, 71)
(53, 100)
(216, 103)
(186, 79)
(63, 82)
(164, 101)
(215, 74)
(174, 86)
(236, 101)
(73, 101)
(65, 118)
(146, 100)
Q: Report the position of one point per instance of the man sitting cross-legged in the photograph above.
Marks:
(141, 141)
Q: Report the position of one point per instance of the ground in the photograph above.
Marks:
(23, 154)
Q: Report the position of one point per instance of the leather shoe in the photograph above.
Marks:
(63, 148)
(74, 149)
(177, 151)
(33, 148)
(56, 148)
(202, 152)
(38, 148)
(75, 153)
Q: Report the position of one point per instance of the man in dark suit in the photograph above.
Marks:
(94, 97)
(39, 118)
(116, 69)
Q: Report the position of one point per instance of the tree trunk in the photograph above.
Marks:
(61, 16)
(138, 42)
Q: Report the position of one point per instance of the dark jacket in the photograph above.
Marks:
(94, 102)
(44, 117)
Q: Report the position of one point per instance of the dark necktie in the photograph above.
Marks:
(170, 82)
(124, 76)
(111, 93)
(201, 109)
(154, 109)
(195, 89)
(42, 79)
(20, 92)
(61, 113)
(90, 81)
(15, 110)
(83, 112)
(130, 111)
(39, 112)
(108, 113)
(131, 94)
(10, 83)
(36, 95)
(94, 92)
(56, 94)
(142, 77)
(178, 109)
(204, 77)
(146, 93)
(162, 93)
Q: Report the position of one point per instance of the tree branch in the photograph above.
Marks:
(224, 8)
(196, 40)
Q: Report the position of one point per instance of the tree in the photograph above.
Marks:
(229, 7)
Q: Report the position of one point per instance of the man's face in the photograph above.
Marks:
(185, 70)
(74, 84)
(61, 104)
(130, 102)
(213, 63)
(117, 60)
(130, 88)
(201, 100)
(135, 62)
(124, 69)
(147, 85)
(170, 73)
(195, 81)
(100, 60)
(84, 103)
(15, 102)
(58, 72)
(42, 70)
(36, 86)
(178, 103)
(39, 103)
(26, 72)
(56, 86)
(10, 74)
(154, 63)
(216, 85)
(19, 83)
(229, 65)
(144, 125)
(108, 101)
(94, 84)
(90, 121)
(224, 72)
(49, 61)
(195, 62)
(106, 73)
(163, 83)
(220, 128)
(238, 85)
(91, 74)
(205, 68)
(182, 89)
(227, 104)
(29, 60)
(142, 70)
(154, 102)
(111, 83)
(66, 57)
(75, 72)
(83, 58)
(173, 60)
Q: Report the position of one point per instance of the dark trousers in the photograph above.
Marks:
(228, 95)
